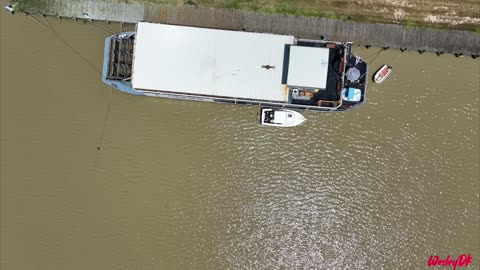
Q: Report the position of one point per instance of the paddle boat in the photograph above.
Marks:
(382, 74)
(280, 117)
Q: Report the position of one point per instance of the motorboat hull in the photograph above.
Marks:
(280, 117)
(382, 74)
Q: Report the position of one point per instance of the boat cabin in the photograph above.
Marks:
(182, 62)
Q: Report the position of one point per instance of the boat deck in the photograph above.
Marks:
(340, 60)
(121, 57)
(360, 83)
(239, 79)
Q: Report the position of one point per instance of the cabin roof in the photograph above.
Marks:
(308, 67)
(210, 62)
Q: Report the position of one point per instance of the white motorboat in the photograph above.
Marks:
(382, 74)
(9, 8)
(280, 117)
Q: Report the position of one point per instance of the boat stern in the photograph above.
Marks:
(117, 62)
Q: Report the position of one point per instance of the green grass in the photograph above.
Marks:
(22, 5)
(283, 7)
(303, 8)
(410, 25)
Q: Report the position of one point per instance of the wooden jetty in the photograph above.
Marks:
(366, 34)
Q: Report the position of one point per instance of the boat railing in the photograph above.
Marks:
(235, 100)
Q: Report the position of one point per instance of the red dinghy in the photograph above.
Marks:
(382, 74)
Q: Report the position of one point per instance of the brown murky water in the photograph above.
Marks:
(192, 185)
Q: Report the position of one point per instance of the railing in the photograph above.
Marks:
(233, 100)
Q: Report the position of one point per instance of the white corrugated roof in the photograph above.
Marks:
(308, 66)
(209, 62)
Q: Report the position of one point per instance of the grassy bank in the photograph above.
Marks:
(443, 14)
(37, 5)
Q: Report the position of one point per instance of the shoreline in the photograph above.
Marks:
(381, 35)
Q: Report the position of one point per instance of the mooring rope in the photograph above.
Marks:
(372, 55)
(396, 58)
(37, 21)
(50, 28)
(102, 135)
(48, 24)
(101, 27)
(110, 88)
(376, 55)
